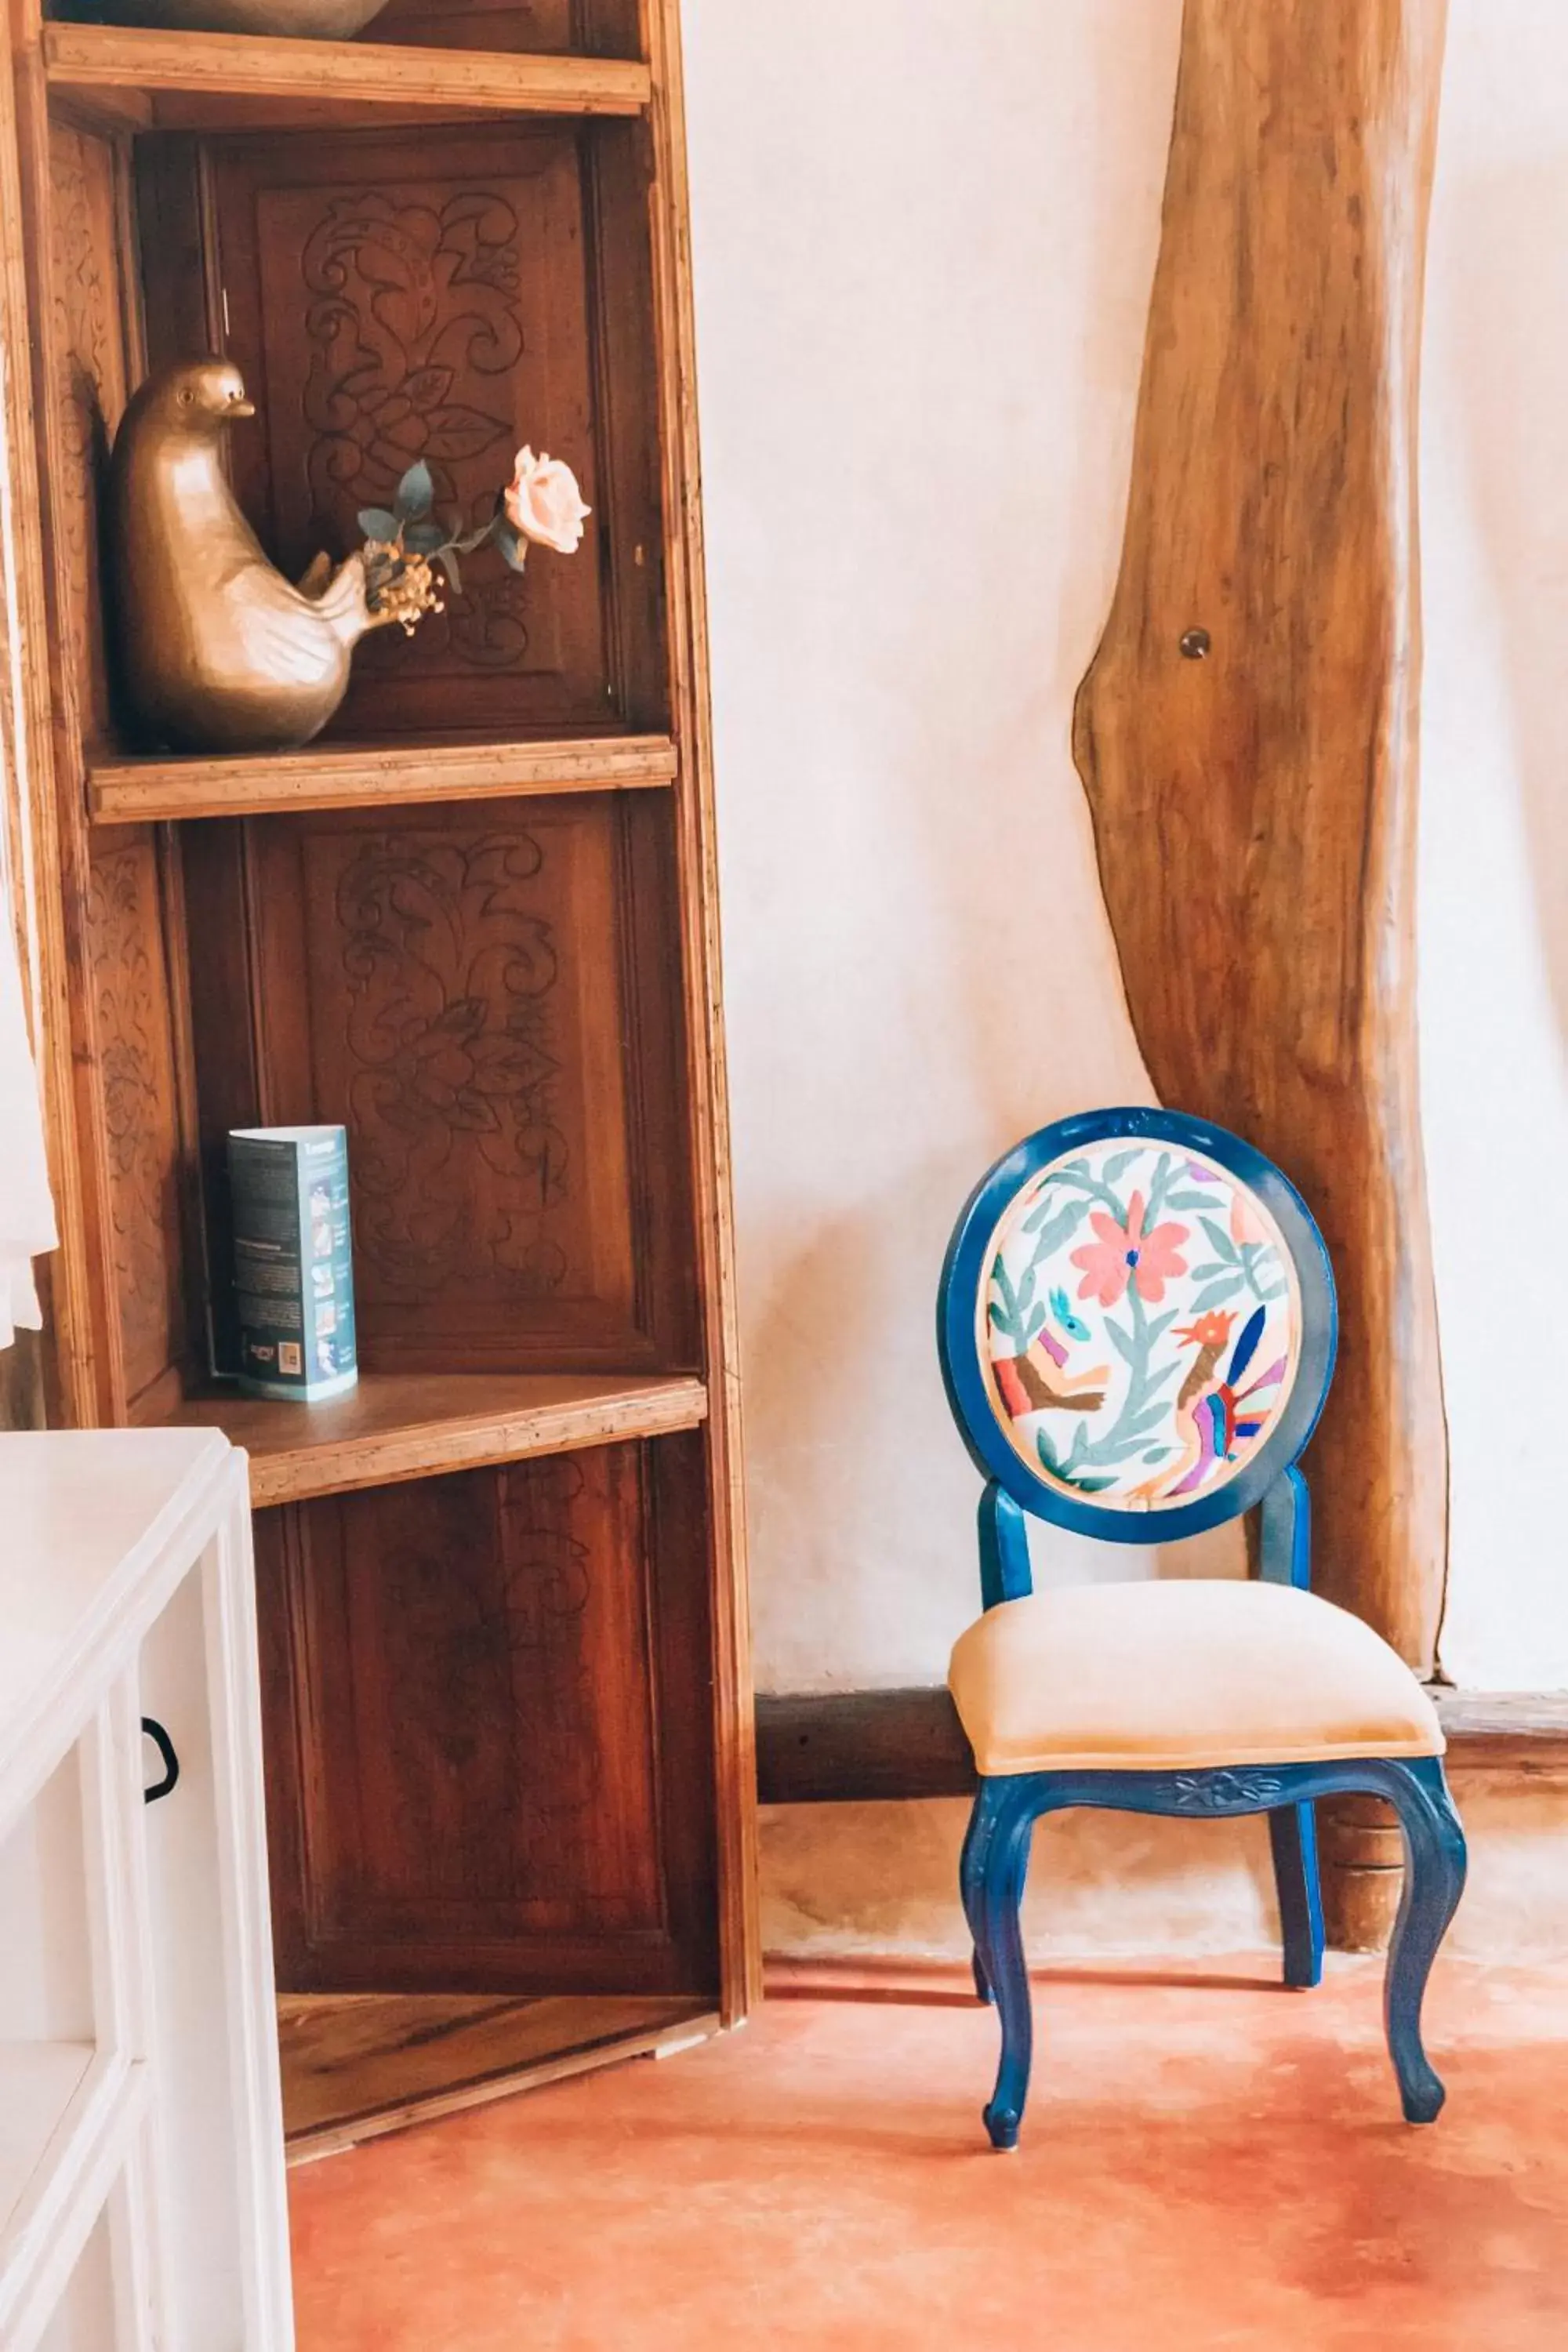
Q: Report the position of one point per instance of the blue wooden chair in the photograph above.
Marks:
(1137, 1326)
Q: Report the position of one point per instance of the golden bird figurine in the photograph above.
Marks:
(218, 651)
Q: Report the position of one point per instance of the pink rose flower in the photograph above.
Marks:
(544, 503)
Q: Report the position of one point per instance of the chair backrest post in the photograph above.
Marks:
(1004, 1571)
(1285, 1549)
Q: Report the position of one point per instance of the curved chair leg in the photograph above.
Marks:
(1434, 1882)
(1293, 1835)
(998, 1863)
(971, 1885)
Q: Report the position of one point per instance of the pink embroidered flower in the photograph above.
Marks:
(543, 502)
(1124, 1253)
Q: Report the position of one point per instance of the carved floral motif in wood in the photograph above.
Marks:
(453, 1058)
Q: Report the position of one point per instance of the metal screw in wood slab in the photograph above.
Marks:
(1197, 645)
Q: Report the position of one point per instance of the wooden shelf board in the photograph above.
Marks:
(400, 1425)
(123, 790)
(229, 72)
(356, 2065)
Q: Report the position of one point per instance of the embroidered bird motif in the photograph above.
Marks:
(1214, 1418)
(218, 651)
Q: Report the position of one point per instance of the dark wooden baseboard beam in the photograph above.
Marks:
(848, 1746)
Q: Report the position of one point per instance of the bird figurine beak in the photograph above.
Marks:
(242, 408)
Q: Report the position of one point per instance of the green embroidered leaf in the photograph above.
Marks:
(1117, 1449)
(1162, 1324)
(1208, 1273)
(1120, 1341)
(377, 523)
(1093, 1485)
(1036, 1325)
(1142, 1423)
(1048, 1453)
(1191, 1201)
(996, 1316)
(1052, 1231)
(1120, 1163)
(1216, 1293)
(1224, 1247)
(1157, 1453)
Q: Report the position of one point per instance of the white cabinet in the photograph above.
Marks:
(142, 2183)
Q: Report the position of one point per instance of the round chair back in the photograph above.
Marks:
(1137, 1324)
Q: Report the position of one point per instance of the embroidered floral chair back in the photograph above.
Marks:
(1137, 1321)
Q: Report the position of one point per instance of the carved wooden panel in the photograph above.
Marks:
(134, 1058)
(479, 994)
(405, 296)
(89, 353)
(485, 1696)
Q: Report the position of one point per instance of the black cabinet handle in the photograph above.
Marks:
(166, 1748)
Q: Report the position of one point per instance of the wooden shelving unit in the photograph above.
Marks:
(153, 792)
(501, 1587)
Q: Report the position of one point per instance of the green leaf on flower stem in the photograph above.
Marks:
(1189, 1201)
(1208, 1273)
(415, 492)
(1119, 1166)
(1035, 1326)
(1120, 1341)
(377, 523)
(1157, 1453)
(447, 559)
(423, 538)
(1093, 1485)
(1216, 1293)
(513, 544)
(1161, 1325)
(1224, 1247)
(1053, 1229)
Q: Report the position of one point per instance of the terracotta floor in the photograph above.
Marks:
(1208, 2166)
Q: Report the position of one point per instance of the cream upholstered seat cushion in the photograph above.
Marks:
(1177, 1675)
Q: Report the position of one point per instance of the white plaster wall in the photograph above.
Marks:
(925, 237)
(1494, 859)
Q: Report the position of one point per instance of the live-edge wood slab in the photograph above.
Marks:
(1249, 730)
